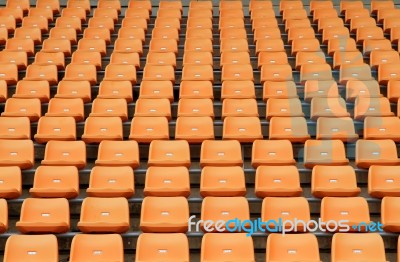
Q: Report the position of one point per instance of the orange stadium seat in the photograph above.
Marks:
(164, 215)
(55, 128)
(347, 57)
(277, 181)
(118, 153)
(65, 153)
(376, 152)
(41, 12)
(17, 153)
(97, 33)
(324, 152)
(134, 22)
(276, 73)
(69, 23)
(215, 181)
(237, 247)
(53, 181)
(16, 13)
(368, 246)
(167, 181)
(102, 22)
(223, 209)
(102, 107)
(153, 108)
(389, 217)
(9, 73)
(86, 58)
(47, 73)
(125, 59)
(293, 129)
(370, 106)
(97, 247)
(18, 107)
(156, 89)
(239, 107)
(161, 59)
(362, 89)
(293, 246)
(237, 89)
(80, 4)
(195, 107)
(10, 187)
(169, 153)
(147, 129)
(353, 209)
(194, 129)
(221, 153)
(320, 88)
(334, 181)
(282, 89)
(272, 152)
(74, 89)
(116, 89)
(20, 58)
(49, 4)
(197, 89)
(113, 181)
(8, 22)
(74, 12)
(31, 247)
(15, 128)
(153, 246)
(383, 181)
(382, 128)
(341, 128)
(306, 58)
(290, 107)
(44, 216)
(50, 58)
(104, 215)
(328, 107)
(99, 128)
(66, 107)
(272, 58)
(285, 208)
(242, 129)
(81, 72)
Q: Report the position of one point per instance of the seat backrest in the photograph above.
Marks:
(357, 246)
(292, 247)
(49, 210)
(236, 247)
(86, 247)
(353, 209)
(221, 153)
(31, 247)
(155, 246)
(286, 209)
(11, 185)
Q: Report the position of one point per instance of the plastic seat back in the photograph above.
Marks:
(31, 248)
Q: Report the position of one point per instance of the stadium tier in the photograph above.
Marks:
(203, 131)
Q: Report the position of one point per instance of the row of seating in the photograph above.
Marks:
(187, 107)
(171, 214)
(213, 153)
(197, 129)
(153, 246)
(270, 181)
